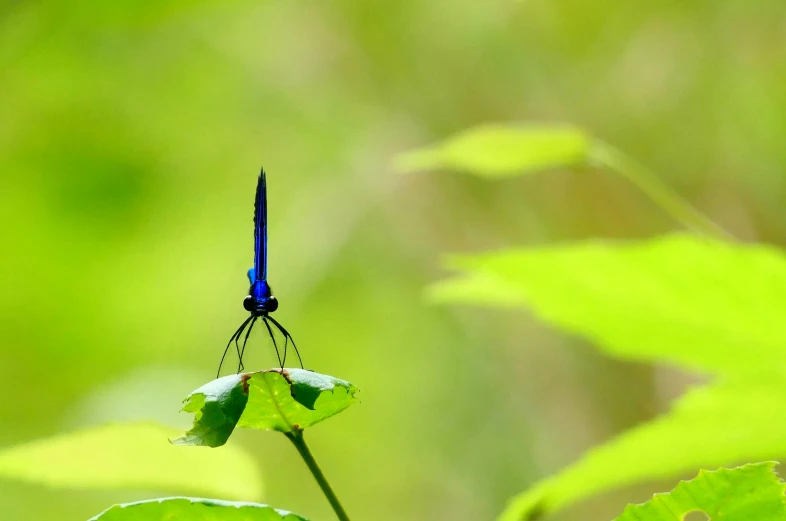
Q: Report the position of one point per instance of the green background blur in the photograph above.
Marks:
(131, 135)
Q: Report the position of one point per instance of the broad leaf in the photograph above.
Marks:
(501, 150)
(282, 400)
(709, 306)
(708, 427)
(748, 493)
(131, 456)
(194, 509)
(695, 303)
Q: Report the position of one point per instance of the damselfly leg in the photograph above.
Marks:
(242, 351)
(234, 336)
(287, 338)
(246, 327)
(275, 344)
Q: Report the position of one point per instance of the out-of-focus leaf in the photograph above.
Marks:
(285, 400)
(705, 305)
(501, 150)
(194, 509)
(496, 150)
(131, 455)
(708, 427)
(692, 302)
(747, 493)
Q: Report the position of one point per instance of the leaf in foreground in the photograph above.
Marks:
(194, 509)
(501, 150)
(708, 427)
(693, 302)
(748, 493)
(282, 400)
(131, 456)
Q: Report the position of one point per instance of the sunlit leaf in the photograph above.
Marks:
(194, 509)
(294, 401)
(131, 456)
(497, 150)
(217, 407)
(692, 302)
(711, 426)
(748, 493)
(706, 305)
(501, 150)
(282, 400)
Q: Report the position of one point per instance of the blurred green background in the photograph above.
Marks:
(131, 135)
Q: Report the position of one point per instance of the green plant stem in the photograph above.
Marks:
(300, 444)
(605, 156)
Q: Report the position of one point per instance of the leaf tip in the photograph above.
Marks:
(417, 160)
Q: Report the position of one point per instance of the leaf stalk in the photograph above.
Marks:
(299, 442)
(603, 155)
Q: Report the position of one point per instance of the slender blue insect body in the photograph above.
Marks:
(260, 298)
(260, 227)
(260, 301)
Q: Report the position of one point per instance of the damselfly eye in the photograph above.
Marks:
(271, 304)
(248, 303)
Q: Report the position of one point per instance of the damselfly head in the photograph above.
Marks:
(259, 306)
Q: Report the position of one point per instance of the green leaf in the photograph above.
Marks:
(131, 456)
(693, 302)
(501, 150)
(217, 407)
(282, 400)
(496, 150)
(294, 400)
(748, 493)
(194, 509)
(708, 427)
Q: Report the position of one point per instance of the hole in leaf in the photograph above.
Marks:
(696, 515)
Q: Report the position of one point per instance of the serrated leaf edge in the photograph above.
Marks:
(205, 501)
